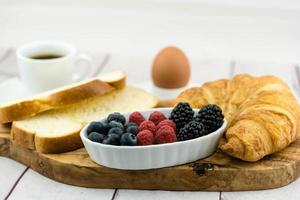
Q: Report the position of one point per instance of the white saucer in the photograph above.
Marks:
(12, 89)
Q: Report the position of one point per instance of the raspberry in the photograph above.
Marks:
(136, 117)
(166, 122)
(165, 134)
(145, 137)
(156, 117)
(147, 125)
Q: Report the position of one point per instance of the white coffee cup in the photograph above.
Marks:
(45, 65)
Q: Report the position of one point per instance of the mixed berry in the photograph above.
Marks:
(182, 124)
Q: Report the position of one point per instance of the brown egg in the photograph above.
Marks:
(170, 68)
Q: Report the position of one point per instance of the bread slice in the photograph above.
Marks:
(27, 107)
(56, 131)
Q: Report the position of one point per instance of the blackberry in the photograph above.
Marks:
(182, 114)
(211, 117)
(191, 130)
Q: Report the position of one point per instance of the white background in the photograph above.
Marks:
(266, 30)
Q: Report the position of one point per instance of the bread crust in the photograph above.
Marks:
(44, 144)
(74, 94)
(56, 144)
(59, 144)
(118, 84)
(22, 137)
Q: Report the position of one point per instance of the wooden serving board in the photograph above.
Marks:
(218, 172)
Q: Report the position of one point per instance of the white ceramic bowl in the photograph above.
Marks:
(152, 156)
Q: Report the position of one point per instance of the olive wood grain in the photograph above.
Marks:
(218, 172)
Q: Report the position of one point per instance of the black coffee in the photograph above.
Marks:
(46, 56)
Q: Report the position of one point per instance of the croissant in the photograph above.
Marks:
(262, 113)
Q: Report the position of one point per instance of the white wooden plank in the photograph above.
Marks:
(99, 63)
(284, 71)
(166, 195)
(137, 68)
(204, 70)
(3, 78)
(289, 192)
(8, 63)
(34, 186)
(3, 53)
(10, 171)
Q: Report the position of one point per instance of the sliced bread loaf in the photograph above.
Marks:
(27, 107)
(56, 131)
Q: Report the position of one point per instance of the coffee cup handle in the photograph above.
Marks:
(89, 67)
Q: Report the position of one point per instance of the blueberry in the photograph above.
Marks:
(115, 124)
(132, 129)
(98, 127)
(130, 124)
(96, 137)
(116, 117)
(116, 131)
(112, 139)
(128, 139)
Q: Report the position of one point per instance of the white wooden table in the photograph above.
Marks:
(19, 182)
(221, 38)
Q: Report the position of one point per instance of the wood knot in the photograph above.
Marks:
(41, 164)
(201, 168)
(42, 168)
